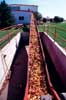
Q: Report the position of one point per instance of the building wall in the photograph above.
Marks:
(31, 8)
(23, 11)
(26, 15)
(27, 7)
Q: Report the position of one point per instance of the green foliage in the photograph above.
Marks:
(58, 19)
(51, 20)
(25, 28)
(6, 19)
(38, 16)
(44, 20)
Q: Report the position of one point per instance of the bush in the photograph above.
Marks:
(51, 20)
(25, 28)
(58, 19)
(44, 20)
(38, 16)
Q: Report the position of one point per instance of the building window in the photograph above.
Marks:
(21, 18)
(15, 8)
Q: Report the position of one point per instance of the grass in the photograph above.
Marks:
(60, 32)
(5, 41)
(13, 32)
(3, 33)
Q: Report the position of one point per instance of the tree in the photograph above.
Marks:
(51, 20)
(44, 20)
(6, 18)
(61, 19)
(38, 16)
(58, 19)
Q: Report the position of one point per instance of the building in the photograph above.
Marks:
(22, 13)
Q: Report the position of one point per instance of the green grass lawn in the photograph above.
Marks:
(60, 32)
(13, 32)
(4, 42)
(3, 33)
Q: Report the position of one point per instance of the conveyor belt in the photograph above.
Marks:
(38, 79)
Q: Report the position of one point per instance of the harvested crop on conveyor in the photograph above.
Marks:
(37, 84)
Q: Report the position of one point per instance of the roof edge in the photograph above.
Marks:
(22, 11)
(22, 5)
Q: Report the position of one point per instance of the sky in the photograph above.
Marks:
(48, 8)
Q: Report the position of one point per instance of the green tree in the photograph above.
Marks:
(51, 20)
(6, 18)
(44, 20)
(38, 16)
(58, 19)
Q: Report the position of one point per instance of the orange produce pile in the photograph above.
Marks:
(37, 84)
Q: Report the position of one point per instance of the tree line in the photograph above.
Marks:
(56, 19)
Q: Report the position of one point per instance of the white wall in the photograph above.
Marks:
(9, 50)
(27, 16)
(5, 63)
